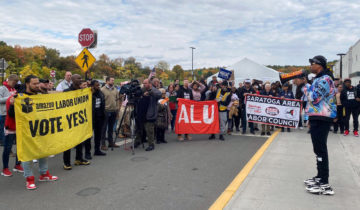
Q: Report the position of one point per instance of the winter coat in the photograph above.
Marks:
(162, 120)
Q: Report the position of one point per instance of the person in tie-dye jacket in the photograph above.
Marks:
(321, 109)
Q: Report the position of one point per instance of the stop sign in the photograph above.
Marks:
(86, 37)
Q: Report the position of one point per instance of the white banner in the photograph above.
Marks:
(273, 111)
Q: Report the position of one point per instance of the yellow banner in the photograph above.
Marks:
(52, 123)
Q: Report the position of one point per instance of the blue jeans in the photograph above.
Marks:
(173, 112)
(2, 123)
(43, 167)
(8, 142)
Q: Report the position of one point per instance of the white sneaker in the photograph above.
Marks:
(320, 189)
(301, 128)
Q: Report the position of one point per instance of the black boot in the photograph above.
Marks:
(221, 137)
(88, 156)
(150, 147)
(212, 137)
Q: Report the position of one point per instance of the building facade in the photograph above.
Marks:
(350, 64)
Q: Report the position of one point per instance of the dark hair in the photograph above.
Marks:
(93, 82)
(108, 79)
(28, 78)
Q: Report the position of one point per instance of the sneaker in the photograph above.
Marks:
(114, 145)
(81, 162)
(311, 181)
(47, 177)
(150, 147)
(67, 167)
(356, 133)
(99, 153)
(180, 138)
(301, 128)
(212, 137)
(30, 183)
(188, 137)
(268, 133)
(221, 137)
(263, 133)
(346, 132)
(6, 172)
(321, 189)
(103, 147)
(18, 168)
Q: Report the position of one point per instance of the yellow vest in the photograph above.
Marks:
(218, 94)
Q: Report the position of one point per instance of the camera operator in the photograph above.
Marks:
(147, 106)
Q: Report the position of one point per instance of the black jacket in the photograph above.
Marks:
(98, 104)
(241, 94)
(185, 93)
(264, 93)
(348, 97)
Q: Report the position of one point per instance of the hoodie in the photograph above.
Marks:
(348, 97)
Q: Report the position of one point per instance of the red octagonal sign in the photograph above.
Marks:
(86, 37)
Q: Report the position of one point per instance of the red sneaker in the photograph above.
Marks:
(346, 132)
(18, 168)
(47, 177)
(6, 172)
(356, 133)
(30, 183)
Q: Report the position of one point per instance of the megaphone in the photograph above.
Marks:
(289, 76)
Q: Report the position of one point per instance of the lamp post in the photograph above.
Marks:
(192, 61)
(341, 56)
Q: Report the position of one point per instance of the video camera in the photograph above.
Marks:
(132, 90)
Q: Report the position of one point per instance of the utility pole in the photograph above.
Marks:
(192, 62)
(341, 56)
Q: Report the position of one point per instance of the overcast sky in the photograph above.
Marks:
(223, 31)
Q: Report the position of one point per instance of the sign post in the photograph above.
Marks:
(3, 66)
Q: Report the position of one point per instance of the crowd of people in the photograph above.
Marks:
(155, 111)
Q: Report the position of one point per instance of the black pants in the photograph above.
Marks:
(79, 154)
(354, 111)
(340, 119)
(237, 119)
(243, 122)
(160, 134)
(87, 145)
(109, 123)
(319, 131)
(98, 126)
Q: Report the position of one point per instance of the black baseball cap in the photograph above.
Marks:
(347, 80)
(44, 81)
(319, 59)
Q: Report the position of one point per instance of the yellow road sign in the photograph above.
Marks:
(85, 60)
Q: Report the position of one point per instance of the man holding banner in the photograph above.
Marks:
(32, 88)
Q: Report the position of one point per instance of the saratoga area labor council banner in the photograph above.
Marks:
(273, 111)
(48, 124)
(197, 117)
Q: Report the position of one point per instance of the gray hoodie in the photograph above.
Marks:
(4, 95)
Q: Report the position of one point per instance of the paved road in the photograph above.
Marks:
(178, 175)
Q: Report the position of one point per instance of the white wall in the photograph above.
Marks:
(351, 64)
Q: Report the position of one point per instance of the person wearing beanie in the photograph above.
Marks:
(321, 109)
(350, 98)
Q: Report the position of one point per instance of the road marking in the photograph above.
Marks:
(229, 192)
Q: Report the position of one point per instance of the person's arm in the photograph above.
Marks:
(155, 93)
(3, 96)
(201, 87)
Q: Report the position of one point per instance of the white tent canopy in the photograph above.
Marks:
(248, 69)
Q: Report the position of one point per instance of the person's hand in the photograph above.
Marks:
(12, 100)
(146, 93)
